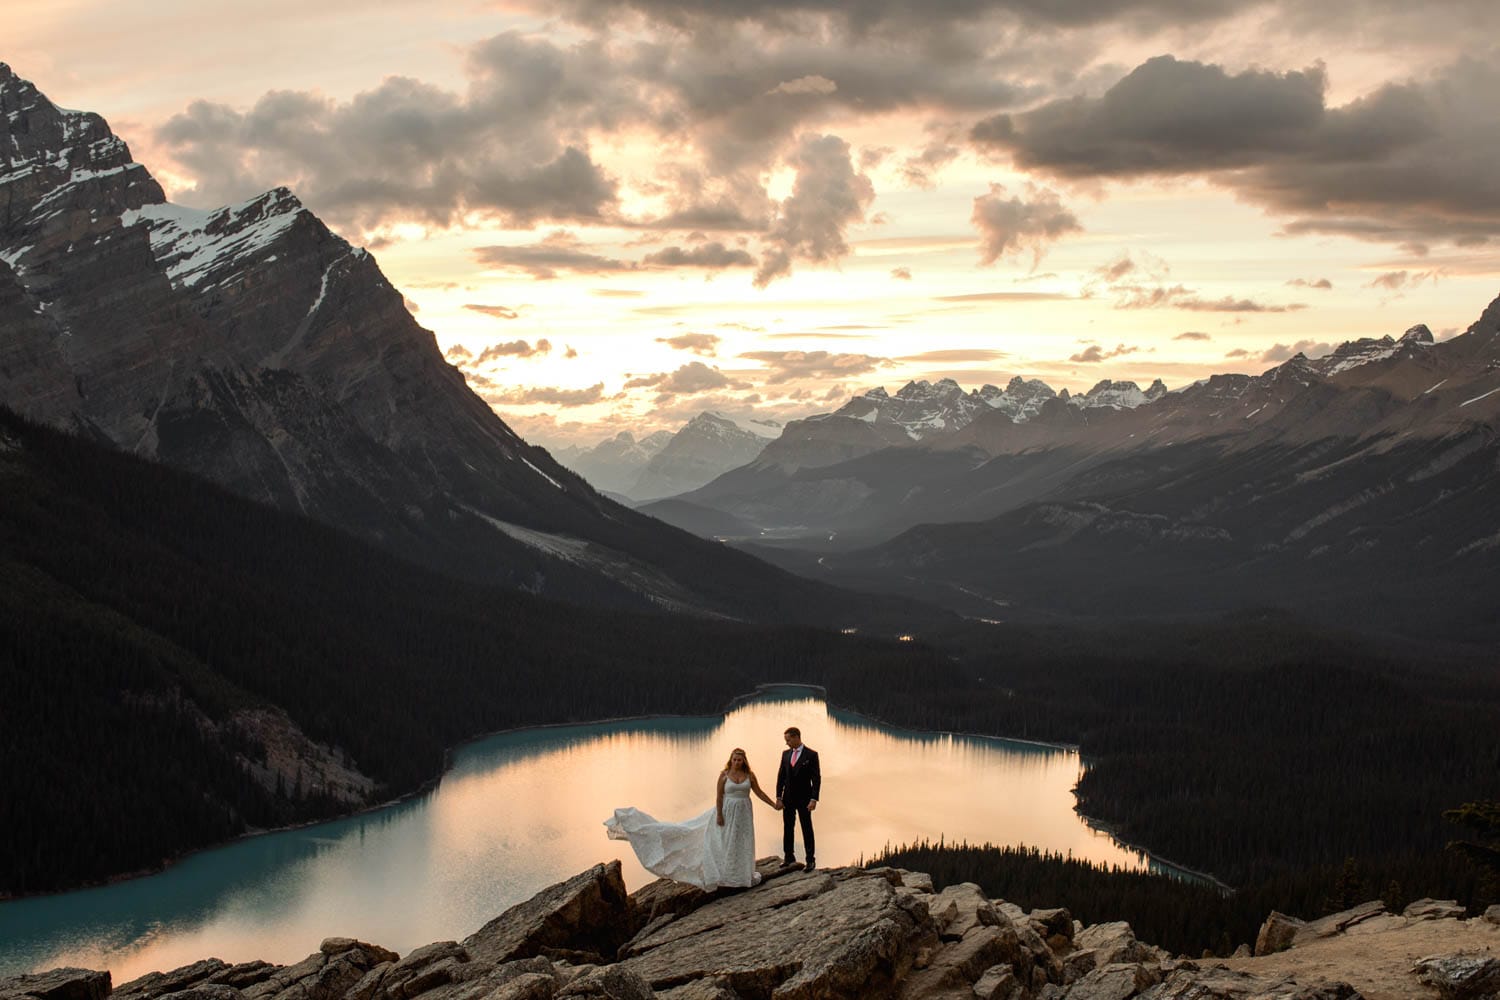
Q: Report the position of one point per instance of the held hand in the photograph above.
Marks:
(778, 802)
(721, 819)
(812, 805)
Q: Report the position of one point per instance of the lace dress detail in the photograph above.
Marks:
(698, 851)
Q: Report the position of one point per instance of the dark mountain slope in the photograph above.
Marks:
(164, 641)
(252, 346)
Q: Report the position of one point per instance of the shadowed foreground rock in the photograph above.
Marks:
(836, 934)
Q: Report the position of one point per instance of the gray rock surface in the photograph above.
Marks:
(57, 984)
(804, 935)
(590, 912)
(1461, 977)
(1117, 981)
(1433, 909)
(1277, 933)
(1492, 914)
(1188, 982)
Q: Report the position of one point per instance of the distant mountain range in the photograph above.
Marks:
(1360, 485)
(253, 347)
(664, 464)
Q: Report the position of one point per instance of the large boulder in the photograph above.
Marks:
(589, 913)
(1118, 981)
(1461, 977)
(611, 982)
(1277, 933)
(1434, 909)
(57, 984)
(826, 935)
(1115, 942)
(961, 908)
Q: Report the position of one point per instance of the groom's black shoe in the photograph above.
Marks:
(788, 861)
(811, 864)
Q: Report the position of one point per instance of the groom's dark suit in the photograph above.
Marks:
(796, 786)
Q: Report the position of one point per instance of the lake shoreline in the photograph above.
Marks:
(447, 765)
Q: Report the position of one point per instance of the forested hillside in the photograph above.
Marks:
(143, 613)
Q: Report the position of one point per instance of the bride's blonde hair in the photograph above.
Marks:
(729, 764)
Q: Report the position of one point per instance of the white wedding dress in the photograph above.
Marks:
(699, 851)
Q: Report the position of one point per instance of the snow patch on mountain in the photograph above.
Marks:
(191, 245)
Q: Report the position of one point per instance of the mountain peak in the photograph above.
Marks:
(1418, 334)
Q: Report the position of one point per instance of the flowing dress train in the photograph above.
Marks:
(698, 851)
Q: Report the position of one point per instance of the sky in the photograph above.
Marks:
(615, 214)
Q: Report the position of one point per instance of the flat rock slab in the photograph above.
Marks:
(1461, 977)
(809, 935)
(1191, 983)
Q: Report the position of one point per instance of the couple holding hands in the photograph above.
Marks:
(717, 848)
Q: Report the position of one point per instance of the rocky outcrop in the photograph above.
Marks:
(837, 934)
(1461, 977)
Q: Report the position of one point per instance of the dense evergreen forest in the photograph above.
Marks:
(140, 610)
(1186, 918)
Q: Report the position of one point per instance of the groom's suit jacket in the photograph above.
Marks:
(796, 786)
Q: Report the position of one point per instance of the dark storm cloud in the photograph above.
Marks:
(705, 344)
(1406, 163)
(1015, 225)
(785, 366)
(874, 15)
(409, 150)
(826, 197)
(708, 256)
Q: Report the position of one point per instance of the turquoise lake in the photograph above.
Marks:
(521, 810)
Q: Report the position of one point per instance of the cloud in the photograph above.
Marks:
(1096, 353)
(561, 251)
(705, 344)
(410, 151)
(1320, 283)
(1012, 225)
(499, 312)
(549, 395)
(1192, 335)
(513, 349)
(411, 305)
(710, 256)
(920, 169)
(1182, 297)
(901, 273)
(1395, 281)
(826, 197)
(785, 366)
(1004, 297)
(1238, 352)
(693, 377)
(956, 354)
(812, 84)
(1285, 352)
(1407, 163)
(458, 354)
(570, 353)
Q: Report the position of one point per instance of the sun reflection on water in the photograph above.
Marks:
(521, 810)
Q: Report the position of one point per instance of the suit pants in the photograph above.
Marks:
(789, 814)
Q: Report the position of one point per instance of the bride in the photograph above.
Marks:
(708, 851)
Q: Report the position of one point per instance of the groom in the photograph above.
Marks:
(797, 785)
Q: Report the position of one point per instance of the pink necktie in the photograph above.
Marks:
(795, 753)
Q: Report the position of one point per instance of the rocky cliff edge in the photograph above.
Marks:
(839, 933)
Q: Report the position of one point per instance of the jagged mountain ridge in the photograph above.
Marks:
(879, 485)
(1361, 486)
(706, 447)
(254, 347)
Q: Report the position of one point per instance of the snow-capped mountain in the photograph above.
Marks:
(1117, 395)
(707, 446)
(253, 347)
(1021, 398)
(922, 409)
